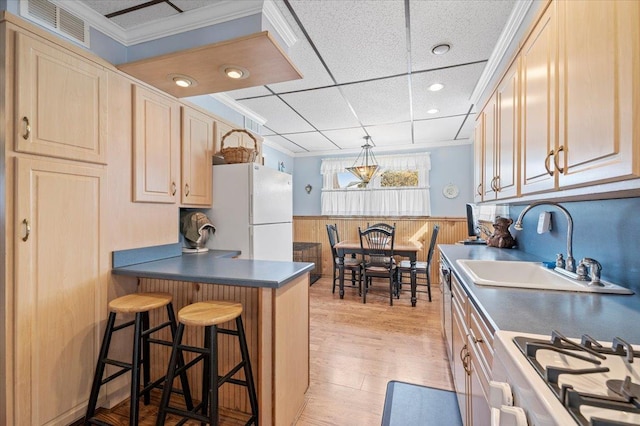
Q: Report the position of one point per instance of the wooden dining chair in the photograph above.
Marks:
(350, 263)
(376, 246)
(423, 269)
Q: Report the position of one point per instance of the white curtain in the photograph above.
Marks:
(374, 200)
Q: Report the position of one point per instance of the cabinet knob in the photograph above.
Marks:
(27, 128)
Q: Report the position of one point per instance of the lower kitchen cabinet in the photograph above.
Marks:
(472, 343)
(60, 288)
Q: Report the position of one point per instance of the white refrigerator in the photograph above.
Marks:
(252, 211)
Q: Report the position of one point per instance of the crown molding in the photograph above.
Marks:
(238, 107)
(520, 10)
(279, 23)
(277, 147)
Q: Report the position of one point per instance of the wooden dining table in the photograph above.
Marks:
(407, 249)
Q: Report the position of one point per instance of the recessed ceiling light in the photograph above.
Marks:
(433, 111)
(441, 49)
(436, 86)
(182, 80)
(235, 72)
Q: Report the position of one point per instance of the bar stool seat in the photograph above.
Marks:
(139, 304)
(209, 314)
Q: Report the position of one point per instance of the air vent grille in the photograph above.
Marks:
(57, 19)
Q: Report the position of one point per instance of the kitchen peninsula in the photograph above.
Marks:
(275, 298)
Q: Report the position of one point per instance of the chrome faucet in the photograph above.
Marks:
(594, 267)
(570, 262)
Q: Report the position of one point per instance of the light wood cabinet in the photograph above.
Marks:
(578, 96)
(60, 291)
(473, 357)
(538, 100)
(478, 158)
(599, 48)
(156, 146)
(197, 152)
(497, 128)
(507, 138)
(61, 103)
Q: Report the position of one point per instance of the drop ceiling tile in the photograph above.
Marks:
(380, 101)
(313, 72)
(398, 134)
(346, 138)
(249, 92)
(285, 143)
(147, 14)
(471, 28)
(325, 109)
(280, 118)
(436, 130)
(453, 99)
(357, 39)
(312, 141)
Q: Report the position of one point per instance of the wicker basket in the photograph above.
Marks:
(238, 154)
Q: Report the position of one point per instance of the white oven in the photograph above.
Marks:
(550, 380)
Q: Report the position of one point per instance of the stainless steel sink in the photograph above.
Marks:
(534, 275)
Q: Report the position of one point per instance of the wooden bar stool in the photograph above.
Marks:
(209, 314)
(139, 304)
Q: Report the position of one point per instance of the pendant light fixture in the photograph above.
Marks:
(365, 166)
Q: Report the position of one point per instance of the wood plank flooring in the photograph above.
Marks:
(355, 350)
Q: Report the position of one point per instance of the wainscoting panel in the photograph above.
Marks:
(313, 229)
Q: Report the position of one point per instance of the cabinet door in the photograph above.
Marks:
(490, 176)
(478, 149)
(156, 145)
(537, 100)
(461, 354)
(197, 151)
(598, 62)
(61, 103)
(507, 137)
(60, 288)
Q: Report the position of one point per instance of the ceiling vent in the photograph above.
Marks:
(56, 19)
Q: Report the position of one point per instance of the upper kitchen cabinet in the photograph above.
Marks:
(478, 150)
(599, 48)
(240, 137)
(507, 138)
(537, 106)
(197, 152)
(489, 117)
(497, 130)
(61, 102)
(156, 146)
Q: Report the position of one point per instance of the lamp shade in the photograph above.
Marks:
(365, 166)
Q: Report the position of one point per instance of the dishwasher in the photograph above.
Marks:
(445, 311)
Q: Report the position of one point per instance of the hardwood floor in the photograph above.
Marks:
(355, 350)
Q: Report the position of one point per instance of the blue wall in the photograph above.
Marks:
(606, 230)
(453, 164)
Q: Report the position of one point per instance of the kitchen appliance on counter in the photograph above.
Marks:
(253, 211)
(196, 229)
(558, 381)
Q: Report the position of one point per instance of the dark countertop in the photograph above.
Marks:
(213, 268)
(603, 316)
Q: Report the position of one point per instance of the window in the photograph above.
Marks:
(401, 187)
